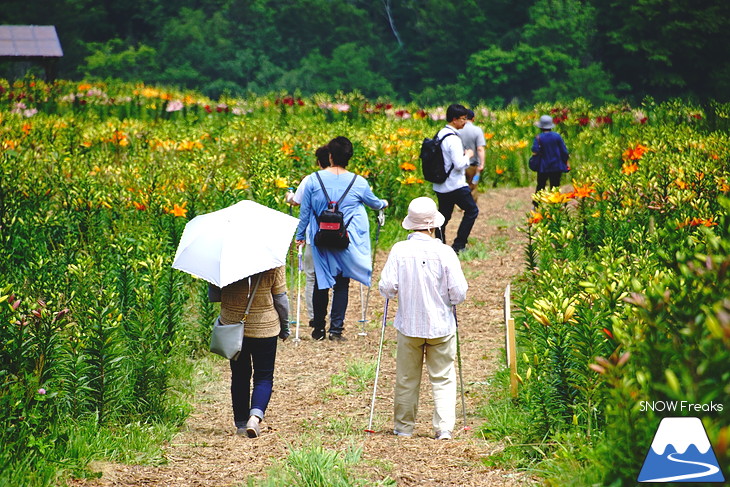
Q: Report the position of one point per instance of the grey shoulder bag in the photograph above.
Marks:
(227, 340)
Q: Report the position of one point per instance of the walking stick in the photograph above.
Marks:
(461, 375)
(299, 292)
(377, 368)
(290, 281)
(381, 222)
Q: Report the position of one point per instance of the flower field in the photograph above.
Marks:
(625, 298)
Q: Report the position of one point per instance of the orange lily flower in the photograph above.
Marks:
(179, 210)
(635, 153)
(583, 191)
(412, 180)
(629, 168)
(407, 166)
(535, 217)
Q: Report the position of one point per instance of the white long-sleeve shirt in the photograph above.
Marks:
(426, 276)
(453, 150)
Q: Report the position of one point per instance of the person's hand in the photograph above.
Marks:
(469, 153)
(284, 332)
(300, 243)
(385, 205)
(289, 198)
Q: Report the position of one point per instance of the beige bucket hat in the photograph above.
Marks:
(423, 215)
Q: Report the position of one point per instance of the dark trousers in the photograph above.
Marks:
(257, 358)
(340, 298)
(463, 199)
(544, 177)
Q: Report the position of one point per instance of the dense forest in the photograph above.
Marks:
(427, 51)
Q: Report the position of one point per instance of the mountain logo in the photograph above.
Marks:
(680, 452)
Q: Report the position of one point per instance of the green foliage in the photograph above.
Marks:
(534, 49)
(316, 465)
(626, 298)
(665, 60)
(97, 181)
(356, 378)
(114, 59)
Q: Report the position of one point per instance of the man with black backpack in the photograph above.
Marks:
(333, 205)
(455, 190)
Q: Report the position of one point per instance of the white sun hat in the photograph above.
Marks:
(423, 215)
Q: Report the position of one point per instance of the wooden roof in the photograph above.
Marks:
(29, 41)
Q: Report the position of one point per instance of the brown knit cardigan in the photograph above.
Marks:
(262, 321)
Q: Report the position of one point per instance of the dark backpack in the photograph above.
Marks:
(331, 226)
(432, 159)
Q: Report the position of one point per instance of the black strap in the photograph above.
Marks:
(440, 142)
(445, 135)
(337, 204)
(324, 190)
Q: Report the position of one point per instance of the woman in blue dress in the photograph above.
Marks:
(334, 268)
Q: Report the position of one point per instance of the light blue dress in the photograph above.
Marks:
(355, 261)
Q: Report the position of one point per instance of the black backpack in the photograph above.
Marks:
(432, 159)
(331, 226)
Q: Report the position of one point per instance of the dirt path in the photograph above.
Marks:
(307, 406)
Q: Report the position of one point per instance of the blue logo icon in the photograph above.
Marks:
(680, 452)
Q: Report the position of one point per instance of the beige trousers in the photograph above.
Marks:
(470, 172)
(439, 354)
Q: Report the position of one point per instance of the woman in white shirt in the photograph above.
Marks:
(426, 276)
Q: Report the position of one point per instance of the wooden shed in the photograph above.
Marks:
(31, 43)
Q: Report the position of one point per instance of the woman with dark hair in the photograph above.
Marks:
(334, 267)
(267, 320)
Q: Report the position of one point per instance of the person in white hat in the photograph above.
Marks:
(553, 153)
(426, 276)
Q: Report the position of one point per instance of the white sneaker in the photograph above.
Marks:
(400, 433)
(253, 430)
(443, 435)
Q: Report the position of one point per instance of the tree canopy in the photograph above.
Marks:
(497, 51)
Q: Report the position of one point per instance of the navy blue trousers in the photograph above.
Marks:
(463, 199)
(256, 359)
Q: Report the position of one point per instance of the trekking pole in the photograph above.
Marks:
(381, 222)
(290, 255)
(461, 375)
(362, 332)
(299, 293)
(377, 368)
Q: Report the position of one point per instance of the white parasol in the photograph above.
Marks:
(228, 245)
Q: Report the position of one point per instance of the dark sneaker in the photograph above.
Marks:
(318, 334)
(337, 337)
